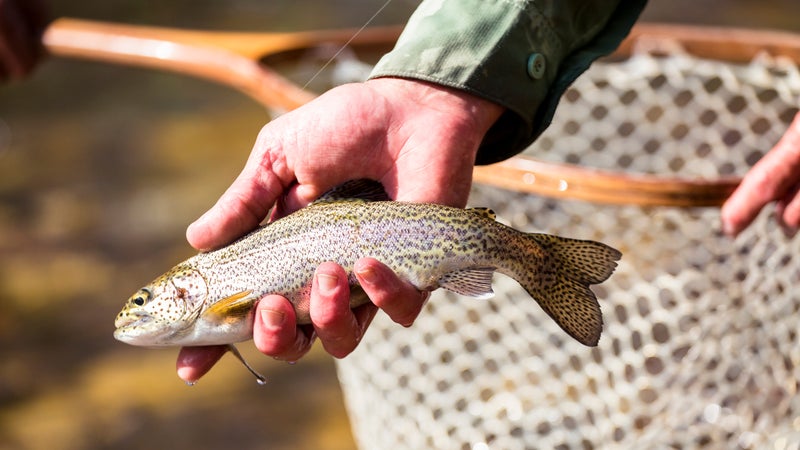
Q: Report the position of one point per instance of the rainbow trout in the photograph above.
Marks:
(209, 299)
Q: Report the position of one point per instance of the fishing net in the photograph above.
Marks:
(700, 345)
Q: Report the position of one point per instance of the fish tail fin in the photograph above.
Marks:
(561, 283)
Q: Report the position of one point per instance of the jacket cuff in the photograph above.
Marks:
(519, 54)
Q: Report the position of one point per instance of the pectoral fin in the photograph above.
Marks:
(260, 379)
(474, 282)
(231, 308)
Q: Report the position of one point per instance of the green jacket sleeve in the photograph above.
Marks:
(522, 54)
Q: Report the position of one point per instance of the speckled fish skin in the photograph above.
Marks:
(209, 298)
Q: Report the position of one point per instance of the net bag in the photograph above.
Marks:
(700, 343)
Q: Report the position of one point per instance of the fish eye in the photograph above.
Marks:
(142, 297)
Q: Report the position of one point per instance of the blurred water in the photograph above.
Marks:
(101, 169)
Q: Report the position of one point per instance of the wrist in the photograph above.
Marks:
(466, 115)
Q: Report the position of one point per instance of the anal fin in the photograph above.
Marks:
(473, 282)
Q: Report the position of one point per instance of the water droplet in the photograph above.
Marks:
(291, 363)
(191, 383)
(711, 412)
(261, 381)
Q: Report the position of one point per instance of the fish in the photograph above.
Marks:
(210, 298)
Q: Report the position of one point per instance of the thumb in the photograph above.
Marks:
(244, 204)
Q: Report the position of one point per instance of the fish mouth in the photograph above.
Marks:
(130, 321)
(131, 328)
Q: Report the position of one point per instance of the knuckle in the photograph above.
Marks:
(270, 345)
(277, 343)
(762, 184)
(328, 317)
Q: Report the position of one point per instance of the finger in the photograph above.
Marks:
(275, 332)
(194, 362)
(770, 179)
(11, 64)
(399, 299)
(337, 326)
(7, 62)
(21, 27)
(16, 56)
(36, 17)
(245, 203)
(787, 211)
(755, 191)
(37, 13)
(364, 315)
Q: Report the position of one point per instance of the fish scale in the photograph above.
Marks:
(210, 298)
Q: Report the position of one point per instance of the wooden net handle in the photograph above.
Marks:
(526, 174)
(229, 58)
(235, 59)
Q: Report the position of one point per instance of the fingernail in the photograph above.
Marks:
(327, 283)
(788, 230)
(368, 275)
(197, 230)
(728, 229)
(272, 319)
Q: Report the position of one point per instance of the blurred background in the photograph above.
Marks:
(101, 170)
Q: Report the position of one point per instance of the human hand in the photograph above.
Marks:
(21, 25)
(776, 177)
(418, 139)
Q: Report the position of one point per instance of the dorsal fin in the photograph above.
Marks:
(485, 212)
(355, 190)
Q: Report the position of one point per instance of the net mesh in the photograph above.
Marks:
(700, 344)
